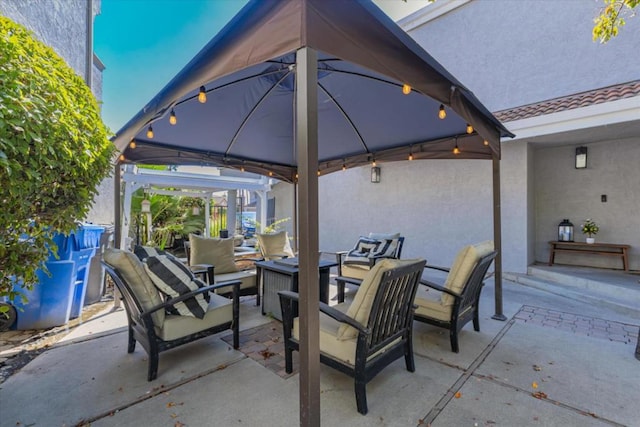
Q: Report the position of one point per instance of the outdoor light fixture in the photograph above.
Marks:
(456, 150)
(375, 174)
(406, 89)
(581, 157)
(150, 132)
(202, 96)
(132, 144)
(469, 128)
(565, 231)
(172, 118)
(145, 206)
(442, 113)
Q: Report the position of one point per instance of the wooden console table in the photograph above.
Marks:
(608, 249)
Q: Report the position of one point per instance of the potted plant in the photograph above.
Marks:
(590, 228)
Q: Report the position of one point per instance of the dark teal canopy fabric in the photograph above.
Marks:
(248, 74)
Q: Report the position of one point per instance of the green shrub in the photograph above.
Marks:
(54, 151)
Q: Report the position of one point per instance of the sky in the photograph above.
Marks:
(144, 43)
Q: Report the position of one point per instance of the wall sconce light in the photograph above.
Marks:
(581, 157)
(145, 206)
(375, 174)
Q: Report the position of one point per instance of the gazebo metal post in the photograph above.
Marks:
(497, 240)
(117, 211)
(306, 122)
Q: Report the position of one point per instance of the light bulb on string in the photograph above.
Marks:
(344, 167)
(202, 96)
(150, 132)
(406, 89)
(456, 150)
(442, 113)
(132, 144)
(485, 142)
(469, 128)
(172, 118)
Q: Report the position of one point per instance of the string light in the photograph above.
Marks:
(242, 168)
(132, 144)
(318, 172)
(172, 118)
(485, 142)
(456, 150)
(344, 167)
(410, 156)
(122, 157)
(469, 128)
(270, 173)
(150, 132)
(406, 89)
(202, 96)
(442, 113)
(373, 163)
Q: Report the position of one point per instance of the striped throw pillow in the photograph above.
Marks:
(173, 279)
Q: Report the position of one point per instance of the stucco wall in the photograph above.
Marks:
(565, 192)
(60, 24)
(512, 53)
(436, 204)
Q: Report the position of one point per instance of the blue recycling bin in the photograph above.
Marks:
(49, 302)
(55, 300)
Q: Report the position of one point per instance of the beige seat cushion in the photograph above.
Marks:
(220, 310)
(275, 245)
(217, 252)
(462, 267)
(363, 300)
(355, 271)
(341, 349)
(246, 277)
(133, 272)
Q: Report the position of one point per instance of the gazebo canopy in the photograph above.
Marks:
(248, 75)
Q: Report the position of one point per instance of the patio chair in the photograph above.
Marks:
(460, 293)
(274, 245)
(354, 265)
(149, 319)
(219, 254)
(361, 338)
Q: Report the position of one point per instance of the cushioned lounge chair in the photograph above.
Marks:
(459, 296)
(354, 265)
(218, 253)
(361, 338)
(150, 325)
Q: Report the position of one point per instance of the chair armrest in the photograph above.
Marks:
(435, 267)
(438, 287)
(173, 301)
(350, 280)
(342, 317)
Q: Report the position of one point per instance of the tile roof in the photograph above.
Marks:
(578, 100)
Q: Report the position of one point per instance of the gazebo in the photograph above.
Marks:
(296, 89)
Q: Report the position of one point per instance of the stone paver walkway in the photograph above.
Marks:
(578, 324)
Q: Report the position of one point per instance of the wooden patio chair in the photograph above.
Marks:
(149, 322)
(353, 270)
(362, 338)
(460, 293)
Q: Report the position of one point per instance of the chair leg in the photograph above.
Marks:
(408, 356)
(340, 291)
(152, 373)
(453, 337)
(132, 341)
(361, 397)
(288, 359)
(476, 320)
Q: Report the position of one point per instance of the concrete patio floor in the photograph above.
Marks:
(555, 361)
